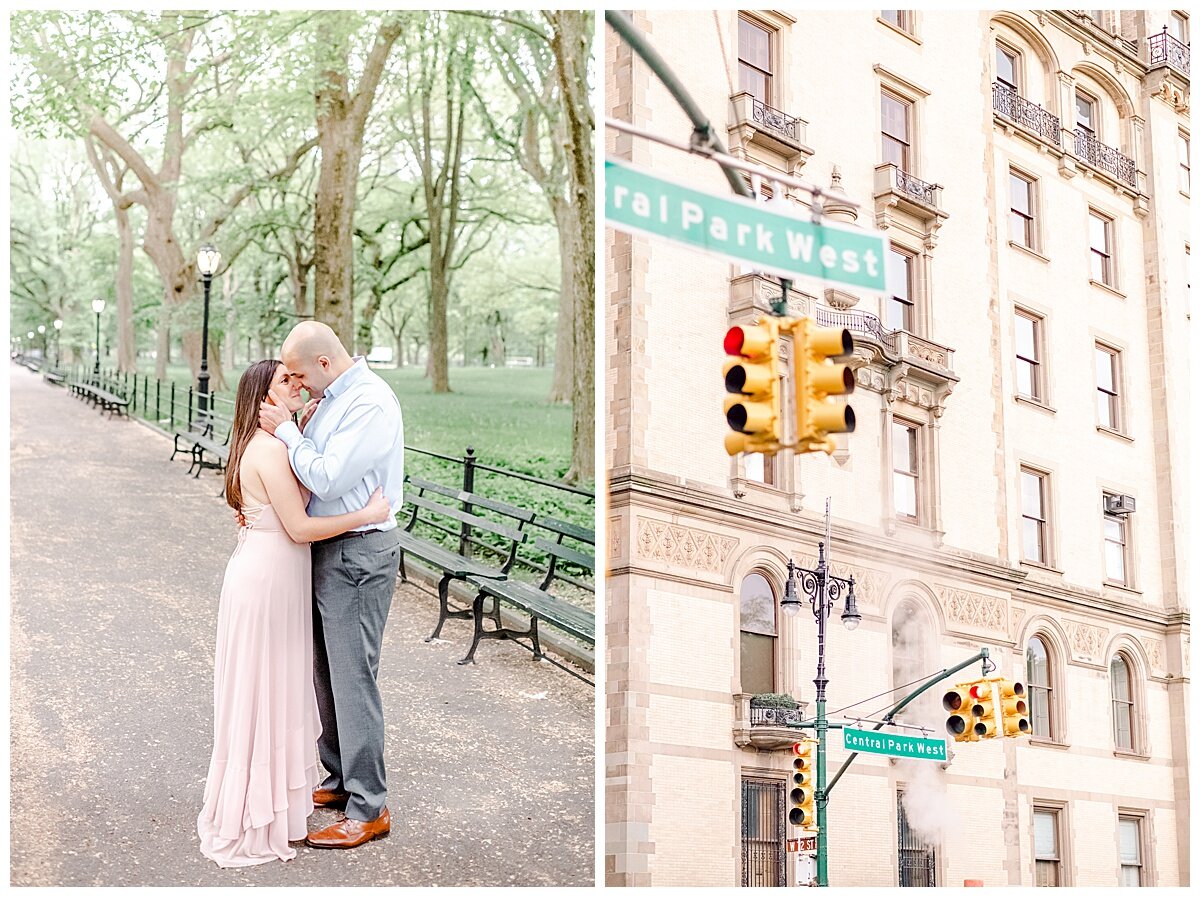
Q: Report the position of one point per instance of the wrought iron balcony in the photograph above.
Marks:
(900, 191)
(764, 728)
(860, 322)
(1170, 51)
(1105, 158)
(775, 716)
(754, 120)
(1029, 115)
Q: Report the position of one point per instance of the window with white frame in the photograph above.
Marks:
(1130, 834)
(899, 312)
(1101, 248)
(1022, 213)
(1040, 687)
(895, 128)
(1121, 680)
(1086, 113)
(1108, 378)
(1008, 67)
(1177, 26)
(1046, 850)
(755, 59)
(901, 18)
(1028, 327)
(1035, 524)
(1116, 546)
(1185, 163)
(905, 470)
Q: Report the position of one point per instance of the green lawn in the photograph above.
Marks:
(500, 412)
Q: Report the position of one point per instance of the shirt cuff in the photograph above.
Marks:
(288, 433)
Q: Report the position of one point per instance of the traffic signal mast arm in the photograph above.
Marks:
(890, 715)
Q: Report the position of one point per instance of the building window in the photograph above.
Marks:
(901, 18)
(1008, 67)
(1085, 113)
(754, 60)
(1108, 399)
(1185, 163)
(917, 861)
(1177, 26)
(896, 119)
(1037, 681)
(905, 469)
(758, 635)
(763, 814)
(1034, 523)
(913, 656)
(899, 315)
(1021, 211)
(759, 467)
(1130, 828)
(1097, 16)
(1100, 239)
(1046, 853)
(1029, 354)
(1122, 700)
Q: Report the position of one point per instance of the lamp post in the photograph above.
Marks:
(207, 260)
(42, 334)
(822, 591)
(97, 307)
(57, 339)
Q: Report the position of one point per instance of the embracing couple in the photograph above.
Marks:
(303, 605)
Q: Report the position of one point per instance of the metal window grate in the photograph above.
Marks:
(763, 834)
(917, 860)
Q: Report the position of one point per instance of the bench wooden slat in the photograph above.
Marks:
(566, 528)
(473, 498)
(462, 516)
(449, 561)
(567, 554)
(571, 618)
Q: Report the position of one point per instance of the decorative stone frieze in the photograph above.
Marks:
(682, 546)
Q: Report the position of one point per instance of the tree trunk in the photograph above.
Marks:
(341, 120)
(564, 220)
(126, 339)
(439, 343)
(162, 338)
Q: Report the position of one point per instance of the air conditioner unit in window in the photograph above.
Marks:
(1119, 504)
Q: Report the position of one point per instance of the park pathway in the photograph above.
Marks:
(117, 559)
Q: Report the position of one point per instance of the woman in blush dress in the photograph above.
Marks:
(258, 795)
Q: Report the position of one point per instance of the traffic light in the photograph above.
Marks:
(818, 379)
(802, 794)
(1014, 711)
(984, 708)
(959, 701)
(752, 381)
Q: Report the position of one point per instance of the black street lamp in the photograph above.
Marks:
(207, 260)
(42, 334)
(57, 339)
(97, 307)
(822, 591)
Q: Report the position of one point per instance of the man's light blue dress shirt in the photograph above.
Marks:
(353, 444)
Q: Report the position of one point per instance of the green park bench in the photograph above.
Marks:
(462, 522)
(101, 394)
(54, 376)
(205, 436)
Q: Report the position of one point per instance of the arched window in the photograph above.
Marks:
(758, 635)
(1122, 701)
(1037, 681)
(913, 657)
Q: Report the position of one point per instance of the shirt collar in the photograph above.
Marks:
(347, 378)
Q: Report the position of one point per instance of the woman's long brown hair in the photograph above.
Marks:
(252, 392)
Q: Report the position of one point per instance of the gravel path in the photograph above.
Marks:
(117, 559)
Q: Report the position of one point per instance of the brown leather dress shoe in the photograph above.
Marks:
(325, 798)
(351, 832)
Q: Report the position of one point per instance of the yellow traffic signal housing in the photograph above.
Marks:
(752, 408)
(984, 708)
(958, 701)
(818, 381)
(1014, 711)
(802, 794)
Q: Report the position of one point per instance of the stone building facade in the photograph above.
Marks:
(1020, 387)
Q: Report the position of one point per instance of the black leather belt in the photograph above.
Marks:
(350, 535)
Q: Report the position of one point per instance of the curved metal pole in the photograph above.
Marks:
(703, 128)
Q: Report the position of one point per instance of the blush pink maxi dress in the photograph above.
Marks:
(258, 795)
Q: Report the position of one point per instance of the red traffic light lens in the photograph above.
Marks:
(735, 338)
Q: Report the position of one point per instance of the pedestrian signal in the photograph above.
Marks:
(752, 406)
(802, 794)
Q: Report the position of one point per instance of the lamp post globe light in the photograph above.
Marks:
(97, 307)
(57, 338)
(822, 591)
(207, 261)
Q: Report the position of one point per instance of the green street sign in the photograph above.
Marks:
(894, 745)
(742, 230)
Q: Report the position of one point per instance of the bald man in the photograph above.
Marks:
(352, 443)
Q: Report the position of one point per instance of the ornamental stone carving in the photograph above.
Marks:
(1018, 614)
(614, 538)
(973, 609)
(1087, 642)
(1154, 651)
(683, 546)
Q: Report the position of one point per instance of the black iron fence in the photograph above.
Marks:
(1012, 105)
(1102, 156)
(775, 716)
(763, 853)
(1167, 50)
(772, 118)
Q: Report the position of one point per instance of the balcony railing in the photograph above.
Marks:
(775, 716)
(1012, 105)
(890, 179)
(770, 117)
(1170, 51)
(1100, 155)
(896, 343)
(854, 321)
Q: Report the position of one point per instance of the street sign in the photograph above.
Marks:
(742, 230)
(894, 745)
